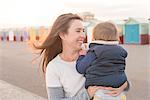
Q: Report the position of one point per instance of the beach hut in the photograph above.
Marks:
(25, 34)
(17, 35)
(136, 31)
(149, 30)
(11, 35)
(4, 35)
(89, 29)
(36, 29)
(32, 34)
(43, 31)
(1, 38)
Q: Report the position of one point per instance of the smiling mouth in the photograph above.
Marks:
(80, 42)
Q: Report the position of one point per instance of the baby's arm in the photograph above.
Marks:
(84, 61)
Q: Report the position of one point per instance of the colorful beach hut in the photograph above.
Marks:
(32, 34)
(1, 38)
(89, 29)
(17, 35)
(25, 34)
(11, 35)
(136, 31)
(149, 30)
(4, 35)
(43, 31)
(36, 29)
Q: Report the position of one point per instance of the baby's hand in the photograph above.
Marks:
(82, 52)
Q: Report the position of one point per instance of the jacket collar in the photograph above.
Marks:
(106, 42)
(101, 42)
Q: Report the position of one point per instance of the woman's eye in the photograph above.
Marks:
(78, 31)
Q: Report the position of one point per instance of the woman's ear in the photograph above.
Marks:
(62, 35)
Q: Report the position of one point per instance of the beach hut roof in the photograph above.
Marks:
(119, 22)
(138, 20)
(86, 14)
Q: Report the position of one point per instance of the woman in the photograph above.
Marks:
(60, 51)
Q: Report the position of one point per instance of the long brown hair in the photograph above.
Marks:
(52, 45)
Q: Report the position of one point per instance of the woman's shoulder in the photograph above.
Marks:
(51, 66)
(54, 61)
(53, 74)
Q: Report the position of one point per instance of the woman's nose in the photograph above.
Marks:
(83, 34)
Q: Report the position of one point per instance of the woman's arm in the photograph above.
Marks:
(117, 91)
(57, 93)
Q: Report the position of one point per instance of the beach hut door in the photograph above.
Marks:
(132, 33)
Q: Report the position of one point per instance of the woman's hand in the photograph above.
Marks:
(82, 52)
(116, 91)
(92, 89)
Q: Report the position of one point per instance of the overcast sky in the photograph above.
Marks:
(44, 12)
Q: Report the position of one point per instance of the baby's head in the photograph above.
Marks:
(105, 31)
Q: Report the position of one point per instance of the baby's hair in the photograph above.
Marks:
(106, 31)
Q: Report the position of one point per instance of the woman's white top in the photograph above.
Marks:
(60, 73)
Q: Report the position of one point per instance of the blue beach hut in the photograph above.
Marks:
(136, 31)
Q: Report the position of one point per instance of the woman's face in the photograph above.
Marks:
(75, 35)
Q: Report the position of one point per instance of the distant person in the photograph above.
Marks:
(60, 51)
(104, 63)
